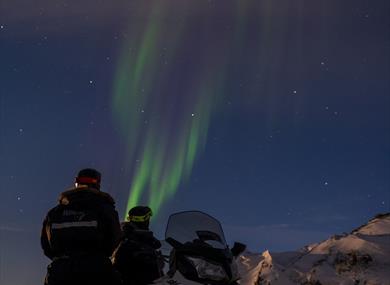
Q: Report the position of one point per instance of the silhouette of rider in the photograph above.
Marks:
(137, 257)
(80, 234)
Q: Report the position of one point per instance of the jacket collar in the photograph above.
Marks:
(67, 196)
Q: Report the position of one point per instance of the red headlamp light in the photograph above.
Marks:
(86, 180)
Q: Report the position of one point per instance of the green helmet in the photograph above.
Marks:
(139, 214)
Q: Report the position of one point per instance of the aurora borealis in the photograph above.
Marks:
(169, 83)
(182, 101)
(271, 115)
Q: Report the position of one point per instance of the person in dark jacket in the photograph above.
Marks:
(80, 234)
(137, 257)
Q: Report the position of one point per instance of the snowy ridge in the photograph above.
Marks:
(361, 257)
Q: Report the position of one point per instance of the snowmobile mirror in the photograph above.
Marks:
(174, 243)
(238, 248)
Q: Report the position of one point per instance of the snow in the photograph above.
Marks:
(249, 265)
(361, 257)
(377, 226)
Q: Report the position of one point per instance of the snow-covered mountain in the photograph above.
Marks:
(360, 257)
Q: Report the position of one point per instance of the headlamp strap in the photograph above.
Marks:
(86, 180)
(139, 219)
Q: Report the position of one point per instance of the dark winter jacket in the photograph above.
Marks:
(85, 220)
(137, 257)
(79, 235)
(131, 232)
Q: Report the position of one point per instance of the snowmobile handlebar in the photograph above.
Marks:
(238, 248)
(174, 243)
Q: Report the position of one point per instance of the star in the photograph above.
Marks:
(1, 26)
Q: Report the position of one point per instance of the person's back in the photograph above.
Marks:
(137, 257)
(80, 234)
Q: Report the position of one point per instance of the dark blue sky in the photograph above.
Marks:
(298, 149)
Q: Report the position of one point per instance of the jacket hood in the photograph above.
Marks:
(131, 232)
(129, 228)
(84, 193)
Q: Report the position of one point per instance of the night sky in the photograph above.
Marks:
(271, 115)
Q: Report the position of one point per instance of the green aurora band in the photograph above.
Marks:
(164, 113)
(165, 156)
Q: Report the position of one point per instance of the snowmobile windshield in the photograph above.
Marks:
(195, 226)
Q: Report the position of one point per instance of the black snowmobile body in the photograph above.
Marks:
(200, 254)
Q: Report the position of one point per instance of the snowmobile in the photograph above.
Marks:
(199, 254)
